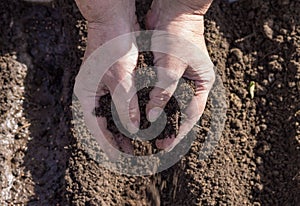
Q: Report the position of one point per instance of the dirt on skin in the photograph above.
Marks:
(256, 162)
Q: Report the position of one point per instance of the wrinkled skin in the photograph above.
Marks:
(111, 18)
(106, 20)
(183, 18)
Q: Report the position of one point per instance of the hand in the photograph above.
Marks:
(106, 21)
(183, 19)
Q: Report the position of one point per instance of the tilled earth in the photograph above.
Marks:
(256, 161)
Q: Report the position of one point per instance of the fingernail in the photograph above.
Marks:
(133, 127)
(154, 114)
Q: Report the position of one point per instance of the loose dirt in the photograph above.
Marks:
(256, 161)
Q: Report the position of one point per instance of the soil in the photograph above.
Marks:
(256, 161)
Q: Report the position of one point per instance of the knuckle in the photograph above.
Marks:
(168, 80)
(206, 79)
(133, 111)
(159, 100)
(123, 115)
(171, 76)
(125, 110)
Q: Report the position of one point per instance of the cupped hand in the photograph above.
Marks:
(108, 20)
(184, 55)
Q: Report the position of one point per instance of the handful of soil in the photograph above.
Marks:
(145, 76)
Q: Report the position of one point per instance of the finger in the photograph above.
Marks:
(192, 115)
(118, 141)
(204, 79)
(169, 71)
(126, 103)
(120, 81)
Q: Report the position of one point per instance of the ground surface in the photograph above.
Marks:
(257, 160)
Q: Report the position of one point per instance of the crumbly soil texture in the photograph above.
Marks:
(255, 155)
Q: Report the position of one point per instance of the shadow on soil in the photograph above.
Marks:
(45, 38)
